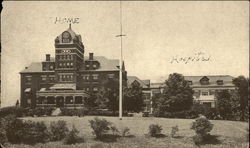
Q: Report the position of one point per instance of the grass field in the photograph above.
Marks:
(229, 134)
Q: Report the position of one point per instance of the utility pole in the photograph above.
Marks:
(120, 67)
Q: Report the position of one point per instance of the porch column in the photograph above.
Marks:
(64, 100)
(74, 99)
(151, 101)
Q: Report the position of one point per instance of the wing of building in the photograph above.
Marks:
(70, 77)
(205, 87)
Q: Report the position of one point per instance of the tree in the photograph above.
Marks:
(133, 98)
(108, 95)
(177, 95)
(224, 104)
(241, 84)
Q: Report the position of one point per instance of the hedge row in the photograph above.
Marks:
(24, 112)
(17, 131)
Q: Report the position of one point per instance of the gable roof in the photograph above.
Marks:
(227, 79)
(131, 79)
(34, 67)
(105, 65)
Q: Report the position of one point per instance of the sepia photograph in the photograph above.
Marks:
(124, 74)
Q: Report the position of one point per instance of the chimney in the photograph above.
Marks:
(91, 56)
(47, 57)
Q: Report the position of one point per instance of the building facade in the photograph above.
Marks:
(69, 78)
(206, 87)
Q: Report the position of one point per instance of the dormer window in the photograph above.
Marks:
(190, 82)
(220, 82)
(204, 81)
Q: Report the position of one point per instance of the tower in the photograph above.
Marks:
(69, 57)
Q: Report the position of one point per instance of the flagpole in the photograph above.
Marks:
(120, 93)
(121, 65)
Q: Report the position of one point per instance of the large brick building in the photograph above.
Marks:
(69, 78)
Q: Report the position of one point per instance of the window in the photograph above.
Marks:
(28, 79)
(94, 66)
(51, 78)
(85, 77)
(51, 67)
(220, 82)
(111, 76)
(87, 89)
(211, 92)
(207, 104)
(66, 77)
(95, 76)
(44, 78)
(29, 101)
(204, 93)
(95, 89)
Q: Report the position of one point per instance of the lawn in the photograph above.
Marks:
(228, 133)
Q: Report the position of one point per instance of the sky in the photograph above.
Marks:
(162, 37)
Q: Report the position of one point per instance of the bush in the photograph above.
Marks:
(3, 137)
(72, 136)
(99, 126)
(174, 131)
(154, 130)
(114, 130)
(202, 127)
(18, 131)
(13, 128)
(197, 139)
(58, 130)
(72, 112)
(125, 131)
(33, 132)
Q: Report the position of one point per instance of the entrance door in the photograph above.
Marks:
(59, 102)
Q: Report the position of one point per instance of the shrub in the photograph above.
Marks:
(174, 131)
(99, 126)
(72, 112)
(154, 130)
(125, 131)
(3, 137)
(114, 130)
(202, 127)
(72, 136)
(33, 132)
(58, 130)
(197, 139)
(13, 128)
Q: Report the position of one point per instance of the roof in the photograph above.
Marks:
(227, 80)
(131, 79)
(147, 82)
(157, 85)
(64, 86)
(33, 67)
(105, 63)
